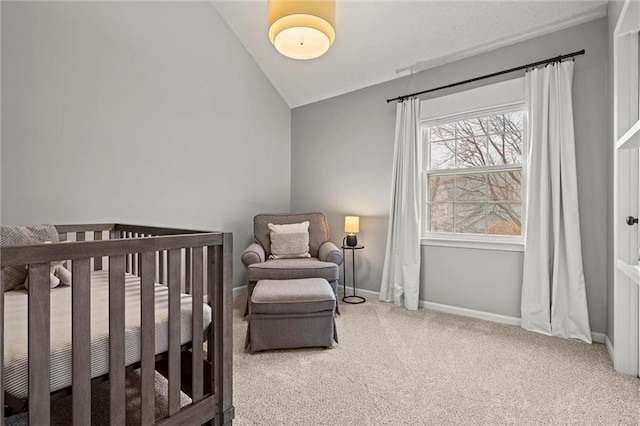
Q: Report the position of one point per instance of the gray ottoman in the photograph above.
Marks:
(291, 314)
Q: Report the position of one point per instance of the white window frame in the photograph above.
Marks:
(468, 106)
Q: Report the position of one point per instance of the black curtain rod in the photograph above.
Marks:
(534, 64)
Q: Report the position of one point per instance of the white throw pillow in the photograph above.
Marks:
(289, 241)
(290, 228)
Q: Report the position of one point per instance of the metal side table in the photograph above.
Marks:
(353, 299)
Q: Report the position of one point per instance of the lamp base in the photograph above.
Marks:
(351, 240)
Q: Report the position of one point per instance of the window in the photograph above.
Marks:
(474, 174)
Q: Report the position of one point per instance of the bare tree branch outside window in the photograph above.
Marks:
(475, 175)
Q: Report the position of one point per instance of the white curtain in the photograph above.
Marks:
(401, 271)
(554, 300)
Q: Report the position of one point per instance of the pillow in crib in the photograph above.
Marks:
(14, 276)
(289, 241)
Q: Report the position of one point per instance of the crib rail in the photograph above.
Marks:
(155, 255)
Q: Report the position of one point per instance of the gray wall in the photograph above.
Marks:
(342, 151)
(149, 113)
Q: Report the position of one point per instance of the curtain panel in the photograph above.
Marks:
(401, 270)
(554, 300)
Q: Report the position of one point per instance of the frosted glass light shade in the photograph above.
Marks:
(302, 29)
(352, 224)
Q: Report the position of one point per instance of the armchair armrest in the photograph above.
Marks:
(329, 252)
(253, 254)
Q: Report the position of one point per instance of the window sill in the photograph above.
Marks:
(497, 244)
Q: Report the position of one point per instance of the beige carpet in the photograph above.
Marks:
(397, 367)
(401, 367)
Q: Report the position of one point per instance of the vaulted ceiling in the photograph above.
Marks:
(377, 41)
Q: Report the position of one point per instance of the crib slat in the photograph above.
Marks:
(215, 338)
(147, 320)
(226, 330)
(39, 342)
(128, 269)
(116, 340)
(81, 333)
(187, 270)
(136, 260)
(161, 254)
(174, 331)
(97, 261)
(212, 279)
(139, 259)
(220, 351)
(196, 325)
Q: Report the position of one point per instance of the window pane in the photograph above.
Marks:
(443, 155)
(513, 147)
(471, 152)
(514, 122)
(479, 196)
(470, 218)
(471, 187)
(505, 149)
(443, 132)
(496, 151)
(505, 186)
(473, 126)
(496, 124)
(441, 217)
(441, 188)
(504, 219)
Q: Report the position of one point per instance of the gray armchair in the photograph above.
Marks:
(325, 258)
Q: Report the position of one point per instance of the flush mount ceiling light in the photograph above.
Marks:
(302, 29)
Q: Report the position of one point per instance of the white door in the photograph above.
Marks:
(626, 126)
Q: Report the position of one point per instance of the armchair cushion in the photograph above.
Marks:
(290, 269)
(292, 297)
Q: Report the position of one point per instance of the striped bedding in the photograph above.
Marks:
(15, 326)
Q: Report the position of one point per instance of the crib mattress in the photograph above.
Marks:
(16, 342)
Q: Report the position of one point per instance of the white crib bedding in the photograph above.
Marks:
(15, 328)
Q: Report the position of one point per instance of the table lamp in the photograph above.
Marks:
(352, 227)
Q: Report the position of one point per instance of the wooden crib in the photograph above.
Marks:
(171, 262)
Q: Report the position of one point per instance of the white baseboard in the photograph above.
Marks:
(487, 316)
(366, 293)
(598, 337)
(609, 347)
(503, 319)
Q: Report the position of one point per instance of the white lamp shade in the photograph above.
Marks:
(352, 224)
(302, 29)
